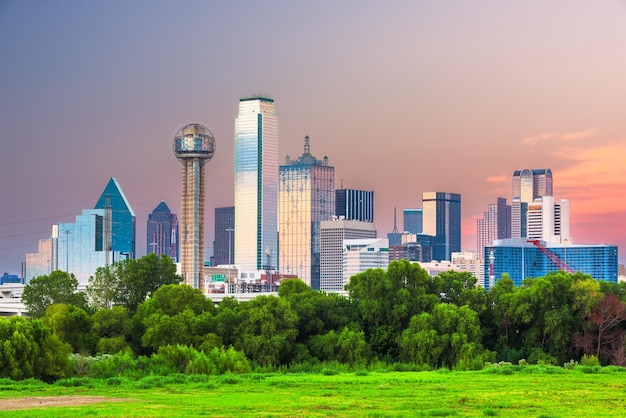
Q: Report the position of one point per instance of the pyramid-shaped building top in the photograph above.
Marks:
(123, 222)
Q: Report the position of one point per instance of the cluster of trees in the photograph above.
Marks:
(398, 315)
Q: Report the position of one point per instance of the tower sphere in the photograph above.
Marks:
(194, 141)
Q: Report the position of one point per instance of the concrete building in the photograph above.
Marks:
(333, 234)
(548, 220)
(363, 254)
(528, 185)
(306, 198)
(256, 185)
(194, 146)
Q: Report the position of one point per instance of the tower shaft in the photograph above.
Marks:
(192, 222)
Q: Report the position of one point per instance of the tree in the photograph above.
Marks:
(43, 291)
(387, 300)
(129, 282)
(268, 329)
(460, 289)
(72, 325)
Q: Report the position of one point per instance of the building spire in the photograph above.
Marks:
(307, 146)
(395, 226)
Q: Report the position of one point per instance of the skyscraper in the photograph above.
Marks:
(413, 221)
(354, 205)
(549, 220)
(224, 245)
(306, 197)
(495, 224)
(256, 184)
(528, 185)
(194, 145)
(162, 232)
(333, 234)
(442, 220)
(97, 238)
(122, 233)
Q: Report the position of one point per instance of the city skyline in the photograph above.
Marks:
(441, 96)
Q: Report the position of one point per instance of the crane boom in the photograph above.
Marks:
(562, 265)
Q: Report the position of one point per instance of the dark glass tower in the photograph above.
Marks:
(162, 232)
(354, 205)
(224, 236)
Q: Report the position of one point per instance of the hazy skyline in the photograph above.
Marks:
(403, 97)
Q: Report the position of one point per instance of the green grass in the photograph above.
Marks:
(523, 393)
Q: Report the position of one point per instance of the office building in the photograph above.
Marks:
(306, 197)
(162, 232)
(97, 238)
(548, 220)
(521, 259)
(495, 224)
(194, 146)
(442, 220)
(224, 244)
(354, 205)
(413, 221)
(256, 185)
(528, 185)
(363, 254)
(333, 233)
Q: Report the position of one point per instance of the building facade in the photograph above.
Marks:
(442, 220)
(354, 205)
(306, 198)
(123, 231)
(413, 221)
(360, 255)
(162, 232)
(194, 145)
(333, 233)
(224, 244)
(521, 259)
(256, 184)
(548, 220)
(528, 185)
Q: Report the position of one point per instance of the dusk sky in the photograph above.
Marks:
(402, 96)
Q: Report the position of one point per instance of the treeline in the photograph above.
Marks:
(136, 314)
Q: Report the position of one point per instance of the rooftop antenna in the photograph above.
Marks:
(342, 183)
(395, 227)
(307, 145)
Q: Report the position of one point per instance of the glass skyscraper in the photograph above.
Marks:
(354, 205)
(256, 184)
(98, 237)
(306, 197)
(521, 259)
(528, 185)
(442, 220)
(162, 232)
(412, 221)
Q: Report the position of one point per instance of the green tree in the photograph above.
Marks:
(43, 291)
(443, 337)
(268, 330)
(460, 289)
(387, 300)
(72, 325)
(347, 346)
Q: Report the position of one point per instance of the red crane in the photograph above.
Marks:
(562, 265)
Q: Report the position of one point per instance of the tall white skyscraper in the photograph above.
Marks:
(528, 185)
(549, 220)
(256, 185)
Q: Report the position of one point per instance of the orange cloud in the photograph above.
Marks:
(569, 136)
(498, 179)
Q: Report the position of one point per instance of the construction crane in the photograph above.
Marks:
(562, 265)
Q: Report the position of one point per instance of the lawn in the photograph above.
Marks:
(515, 392)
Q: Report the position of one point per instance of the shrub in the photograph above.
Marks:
(589, 360)
(570, 365)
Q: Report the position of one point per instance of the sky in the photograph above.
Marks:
(403, 97)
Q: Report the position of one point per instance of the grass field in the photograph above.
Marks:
(513, 392)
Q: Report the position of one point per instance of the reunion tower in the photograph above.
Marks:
(194, 145)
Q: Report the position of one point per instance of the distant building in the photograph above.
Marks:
(413, 221)
(224, 236)
(363, 254)
(495, 224)
(354, 205)
(256, 185)
(442, 220)
(548, 220)
(162, 232)
(333, 234)
(521, 259)
(306, 197)
(528, 185)
(98, 237)
(470, 262)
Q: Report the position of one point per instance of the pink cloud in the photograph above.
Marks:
(569, 136)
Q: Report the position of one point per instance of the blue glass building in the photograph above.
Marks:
(224, 236)
(442, 220)
(521, 259)
(413, 221)
(123, 228)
